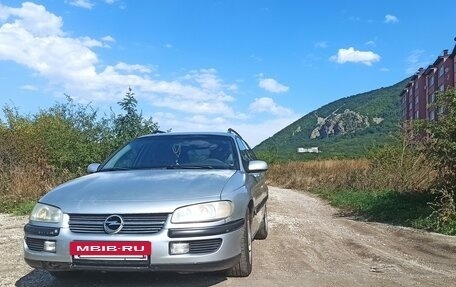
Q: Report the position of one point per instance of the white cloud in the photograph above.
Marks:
(351, 55)
(417, 59)
(28, 88)
(253, 133)
(89, 42)
(71, 64)
(82, 4)
(415, 56)
(131, 68)
(32, 18)
(108, 38)
(110, 1)
(371, 43)
(265, 104)
(384, 69)
(192, 122)
(391, 19)
(208, 80)
(200, 99)
(271, 85)
(168, 46)
(321, 44)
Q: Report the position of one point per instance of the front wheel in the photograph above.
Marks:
(264, 228)
(244, 267)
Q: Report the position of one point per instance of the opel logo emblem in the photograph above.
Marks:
(113, 224)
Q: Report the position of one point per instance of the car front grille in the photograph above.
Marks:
(35, 244)
(205, 246)
(133, 223)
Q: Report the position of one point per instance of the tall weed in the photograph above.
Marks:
(390, 168)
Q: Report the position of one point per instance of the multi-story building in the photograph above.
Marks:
(419, 94)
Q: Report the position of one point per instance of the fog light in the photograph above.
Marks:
(179, 248)
(49, 246)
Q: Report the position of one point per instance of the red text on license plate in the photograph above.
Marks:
(107, 248)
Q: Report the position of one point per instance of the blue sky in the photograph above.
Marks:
(255, 66)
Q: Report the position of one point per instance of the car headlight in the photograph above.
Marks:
(46, 213)
(204, 212)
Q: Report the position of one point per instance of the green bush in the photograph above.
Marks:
(42, 150)
(440, 147)
(400, 167)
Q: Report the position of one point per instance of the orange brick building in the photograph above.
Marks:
(419, 94)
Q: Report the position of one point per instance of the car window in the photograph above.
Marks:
(189, 151)
(124, 158)
(246, 156)
(250, 152)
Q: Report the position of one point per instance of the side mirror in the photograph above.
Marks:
(257, 166)
(93, 167)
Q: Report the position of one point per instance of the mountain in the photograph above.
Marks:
(347, 127)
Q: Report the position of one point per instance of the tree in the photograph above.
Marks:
(131, 124)
(440, 146)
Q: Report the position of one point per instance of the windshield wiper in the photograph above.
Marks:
(186, 166)
(115, 168)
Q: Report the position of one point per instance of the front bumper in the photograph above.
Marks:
(225, 256)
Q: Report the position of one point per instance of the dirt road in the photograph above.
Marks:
(309, 245)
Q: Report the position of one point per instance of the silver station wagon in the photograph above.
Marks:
(184, 202)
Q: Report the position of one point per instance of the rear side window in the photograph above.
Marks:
(246, 153)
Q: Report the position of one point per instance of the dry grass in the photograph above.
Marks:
(362, 174)
(29, 182)
(390, 170)
(313, 174)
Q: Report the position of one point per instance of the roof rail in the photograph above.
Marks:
(230, 130)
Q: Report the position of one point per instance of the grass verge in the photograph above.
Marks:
(405, 209)
(16, 207)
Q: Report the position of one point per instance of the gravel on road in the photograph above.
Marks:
(309, 244)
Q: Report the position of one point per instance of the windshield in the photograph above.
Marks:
(175, 152)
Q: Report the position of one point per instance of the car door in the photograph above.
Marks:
(255, 182)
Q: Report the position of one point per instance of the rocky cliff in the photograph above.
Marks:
(339, 124)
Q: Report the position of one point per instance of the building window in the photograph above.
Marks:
(431, 98)
(441, 88)
(432, 115)
(431, 80)
(416, 100)
(410, 106)
(417, 114)
(441, 71)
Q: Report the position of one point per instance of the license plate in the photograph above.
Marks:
(110, 248)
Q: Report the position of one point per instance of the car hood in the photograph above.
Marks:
(138, 191)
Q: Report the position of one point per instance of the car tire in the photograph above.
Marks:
(244, 267)
(264, 228)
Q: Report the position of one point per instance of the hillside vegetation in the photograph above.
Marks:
(348, 127)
